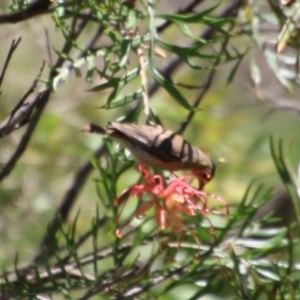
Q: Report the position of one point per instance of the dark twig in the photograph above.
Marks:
(135, 291)
(36, 7)
(198, 100)
(102, 253)
(48, 46)
(131, 275)
(20, 115)
(13, 47)
(41, 101)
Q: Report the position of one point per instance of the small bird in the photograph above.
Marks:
(155, 147)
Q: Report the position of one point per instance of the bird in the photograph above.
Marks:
(156, 147)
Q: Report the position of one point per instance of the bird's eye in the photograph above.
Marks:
(205, 177)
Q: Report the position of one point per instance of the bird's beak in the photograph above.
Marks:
(203, 179)
(201, 184)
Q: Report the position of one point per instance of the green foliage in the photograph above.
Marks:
(240, 260)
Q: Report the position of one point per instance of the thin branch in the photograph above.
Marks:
(41, 101)
(20, 114)
(13, 47)
(36, 7)
(131, 275)
(102, 253)
(48, 46)
(134, 291)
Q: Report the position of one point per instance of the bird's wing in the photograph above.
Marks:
(163, 144)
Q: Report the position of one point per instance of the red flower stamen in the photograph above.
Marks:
(169, 201)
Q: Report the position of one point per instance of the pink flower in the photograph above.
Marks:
(169, 201)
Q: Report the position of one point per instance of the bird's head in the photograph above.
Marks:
(205, 175)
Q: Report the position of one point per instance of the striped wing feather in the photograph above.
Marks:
(163, 144)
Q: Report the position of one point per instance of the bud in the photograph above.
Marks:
(156, 147)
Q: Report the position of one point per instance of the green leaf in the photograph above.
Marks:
(279, 72)
(182, 20)
(171, 89)
(117, 82)
(132, 18)
(235, 68)
(138, 40)
(123, 100)
(268, 274)
(187, 53)
(254, 69)
(61, 76)
(90, 67)
(285, 176)
(258, 231)
(187, 32)
(112, 83)
(289, 29)
(125, 51)
(192, 18)
(277, 241)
